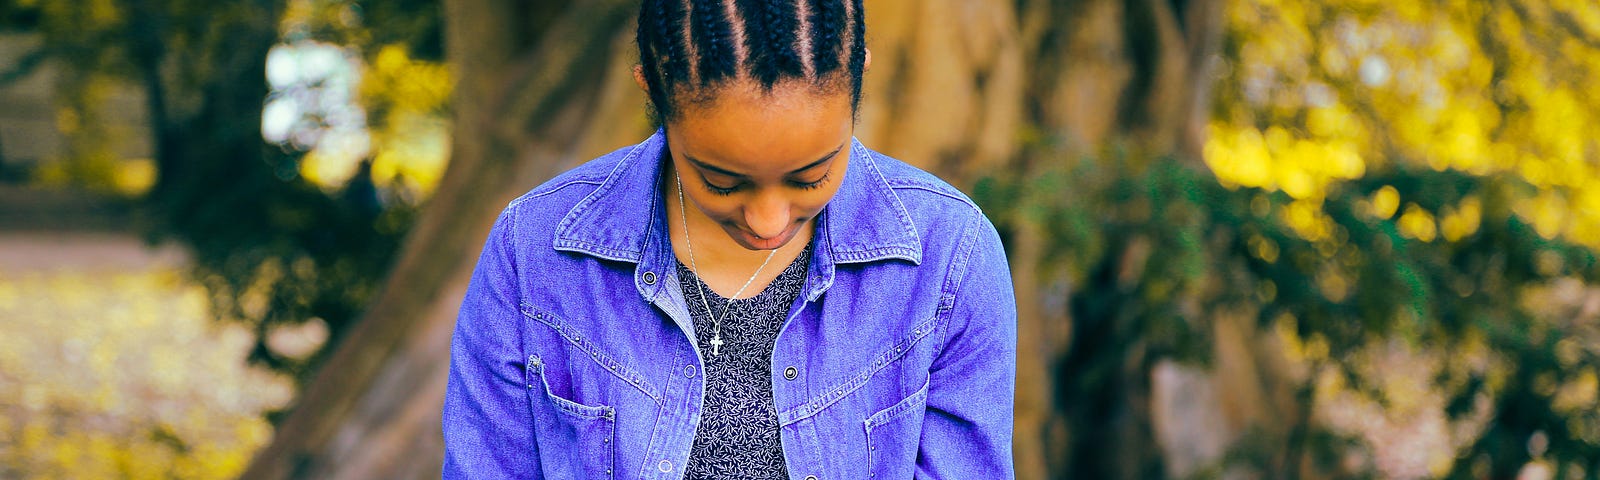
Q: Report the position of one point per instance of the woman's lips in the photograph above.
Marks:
(758, 243)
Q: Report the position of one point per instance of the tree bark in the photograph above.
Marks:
(528, 104)
(970, 88)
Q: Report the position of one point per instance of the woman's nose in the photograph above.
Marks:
(767, 216)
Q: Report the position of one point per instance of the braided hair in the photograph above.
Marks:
(690, 48)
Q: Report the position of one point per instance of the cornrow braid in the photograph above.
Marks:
(710, 33)
(697, 46)
(858, 49)
(755, 36)
(661, 50)
(780, 25)
(827, 20)
(676, 66)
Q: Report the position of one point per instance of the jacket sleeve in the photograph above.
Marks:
(488, 431)
(966, 431)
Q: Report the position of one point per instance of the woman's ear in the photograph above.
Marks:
(865, 64)
(638, 78)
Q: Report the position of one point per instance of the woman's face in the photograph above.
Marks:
(762, 164)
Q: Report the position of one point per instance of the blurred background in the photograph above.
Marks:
(1252, 239)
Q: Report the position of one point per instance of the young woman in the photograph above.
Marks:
(749, 293)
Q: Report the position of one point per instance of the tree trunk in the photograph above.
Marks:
(958, 87)
(540, 86)
(969, 88)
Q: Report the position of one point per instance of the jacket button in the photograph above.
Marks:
(811, 477)
(688, 371)
(664, 466)
(649, 278)
(790, 373)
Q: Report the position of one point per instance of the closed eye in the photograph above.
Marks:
(720, 190)
(813, 185)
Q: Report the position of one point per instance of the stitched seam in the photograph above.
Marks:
(582, 411)
(508, 215)
(582, 206)
(936, 191)
(905, 216)
(610, 364)
(548, 190)
(821, 402)
(883, 417)
(649, 229)
(955, 278)
(880, 253)
(600, 251)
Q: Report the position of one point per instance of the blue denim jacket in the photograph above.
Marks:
(573, 354)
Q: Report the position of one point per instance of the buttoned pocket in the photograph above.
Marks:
(893, 435)
(574, 440)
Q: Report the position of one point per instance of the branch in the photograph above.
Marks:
(1565, 20)
(24, 66)
(545, 75)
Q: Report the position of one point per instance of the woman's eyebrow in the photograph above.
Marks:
(723, 171)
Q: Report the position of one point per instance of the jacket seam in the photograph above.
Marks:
(955, 278)
(894, 412)
(610, 364)
(901, 184)
(509, 243)
(818, 403)
(583, 205)
(552, 189)
(900, 210)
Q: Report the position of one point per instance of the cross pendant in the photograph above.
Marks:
(716, 345)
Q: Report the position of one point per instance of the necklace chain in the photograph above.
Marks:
(716, 325)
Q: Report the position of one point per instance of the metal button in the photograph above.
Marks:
(811, 477)
(790, 373)
(649, 278)
(688, 371)
(664, 466)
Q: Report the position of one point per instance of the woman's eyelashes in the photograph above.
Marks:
(720, 190)
(813, 185)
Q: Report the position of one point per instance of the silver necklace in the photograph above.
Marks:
(716, 325)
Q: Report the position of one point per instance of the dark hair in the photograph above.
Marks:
(693, 47)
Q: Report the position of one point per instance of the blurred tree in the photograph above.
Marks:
(1267, 191)
(541, 86)
(1452, 134)
(1128, 250)
(273, 249)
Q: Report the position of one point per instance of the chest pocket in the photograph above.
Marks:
(893, 434)
(574, 440)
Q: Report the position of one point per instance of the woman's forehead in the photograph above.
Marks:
(755, 132)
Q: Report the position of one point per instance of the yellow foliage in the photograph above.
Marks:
(413, 139)
(1418, 223)
(1462, 220)
(1547, 212)
(1307, 220)
(1385, 202)
(98, 378)
(1419, 84)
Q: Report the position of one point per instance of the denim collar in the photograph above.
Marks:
(624, 220)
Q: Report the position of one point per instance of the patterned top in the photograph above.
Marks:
(738, 433)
